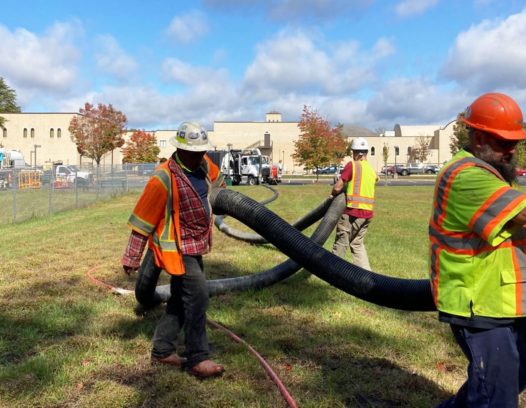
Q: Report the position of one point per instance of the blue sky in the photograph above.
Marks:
(367, 62)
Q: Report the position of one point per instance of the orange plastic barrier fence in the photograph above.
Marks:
(29, 179)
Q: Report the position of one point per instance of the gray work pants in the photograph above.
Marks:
(350, 233)
(185, 309)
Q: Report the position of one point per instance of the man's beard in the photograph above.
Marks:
(507, 170)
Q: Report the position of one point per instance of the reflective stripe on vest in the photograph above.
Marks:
(164, 242)
(469, 276)
(446, 178)
(360, 190)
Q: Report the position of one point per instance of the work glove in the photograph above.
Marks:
(129, 269)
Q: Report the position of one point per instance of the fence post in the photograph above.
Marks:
(98, 183)
(14, 187)
(50, 196)
(76, 191)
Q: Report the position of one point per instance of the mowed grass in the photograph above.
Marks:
(67, 342)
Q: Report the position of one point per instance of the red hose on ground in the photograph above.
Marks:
(120, 291)
(274, 377)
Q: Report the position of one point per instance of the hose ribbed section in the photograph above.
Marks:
(255, 281)
(304, 222)
(285, 269)
(405, 294)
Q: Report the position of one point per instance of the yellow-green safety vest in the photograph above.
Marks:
(477, 262)
(360, 189)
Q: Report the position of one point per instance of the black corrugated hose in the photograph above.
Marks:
(148, 295)
(304, 222)
(397, 293)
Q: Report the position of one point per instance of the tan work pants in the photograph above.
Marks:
(350, 232)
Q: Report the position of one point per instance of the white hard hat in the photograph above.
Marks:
(191, 136)
(359, 144)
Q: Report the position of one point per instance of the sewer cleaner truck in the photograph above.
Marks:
(250, 167)
(10, 161)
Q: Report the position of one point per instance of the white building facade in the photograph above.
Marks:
(44, 138)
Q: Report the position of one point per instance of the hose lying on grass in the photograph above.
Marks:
(266, 366)
(397, 293)
(304, 222)
(149, 295)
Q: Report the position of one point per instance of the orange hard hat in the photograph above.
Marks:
(497, 114)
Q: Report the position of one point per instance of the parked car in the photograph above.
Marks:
(327, 170)
(390, 170)
(146, 169)
(417, 168)
(520, 172)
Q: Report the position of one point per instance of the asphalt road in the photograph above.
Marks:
(400, 181)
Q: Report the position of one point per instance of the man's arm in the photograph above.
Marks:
(133, 253)
(338, 187)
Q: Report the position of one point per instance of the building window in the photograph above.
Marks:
(162, 143)
(32, 132)
(51, 132)
(59, 132)
(409, 151)
(373, 151)
(25, 132)
(4, 132)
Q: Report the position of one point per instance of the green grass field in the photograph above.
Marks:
(66, 342)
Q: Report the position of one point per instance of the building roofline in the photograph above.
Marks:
(39, 113)
(249, 121)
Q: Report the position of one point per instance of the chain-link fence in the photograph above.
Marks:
(27, 193)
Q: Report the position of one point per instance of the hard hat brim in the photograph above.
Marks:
(519, 134)
(201, 148)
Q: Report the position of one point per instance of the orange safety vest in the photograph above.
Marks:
(156, 215)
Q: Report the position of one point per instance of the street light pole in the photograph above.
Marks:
(397, 149)
(35, 155)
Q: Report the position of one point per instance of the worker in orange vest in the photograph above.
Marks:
(174, 216)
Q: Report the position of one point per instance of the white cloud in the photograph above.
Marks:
(188, 27)
(415, 101)
(410, 8)
(300, 64)
(287, 63)
(490, 55)
(45, 64)
(112, 59)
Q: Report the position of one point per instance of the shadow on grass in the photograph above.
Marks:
(333, 365)
(328, 366)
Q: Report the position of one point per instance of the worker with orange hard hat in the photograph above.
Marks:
(477, 262)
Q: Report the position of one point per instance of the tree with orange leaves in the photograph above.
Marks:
(319, 144)
(98, 130)
(141, 148)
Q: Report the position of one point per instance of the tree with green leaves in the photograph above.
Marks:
(98, 130)
(318, 144)
(141, 148)
(460, 135)
(8, 102)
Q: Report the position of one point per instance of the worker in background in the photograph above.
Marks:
(174, 216)
(477, 260)
(359, 180)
